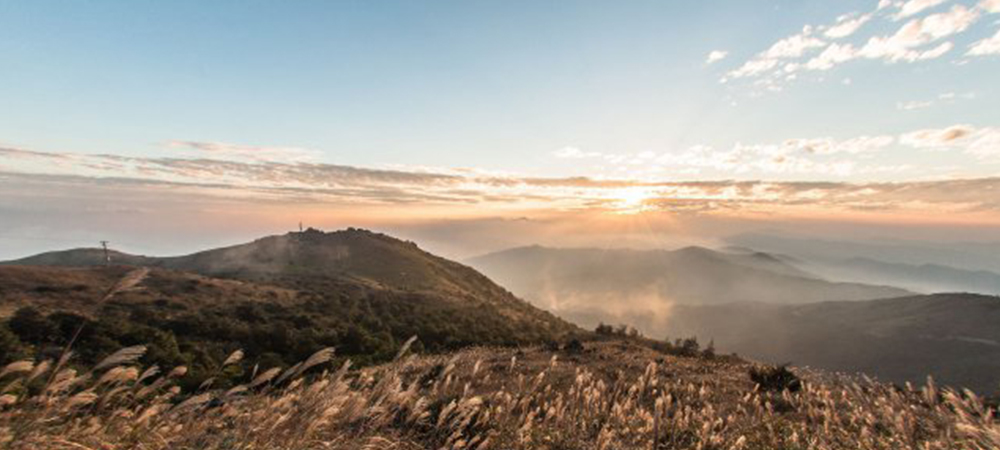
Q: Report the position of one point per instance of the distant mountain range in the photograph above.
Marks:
(577, 280)
(972, 256)
(922, 267)
(766, 306)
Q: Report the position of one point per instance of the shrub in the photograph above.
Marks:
(775, 378)
(574, 346)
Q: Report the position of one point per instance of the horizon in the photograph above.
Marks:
(473, 127)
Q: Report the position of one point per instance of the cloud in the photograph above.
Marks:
(846, 25)
(715, 56)
(913, 7)
(983, 143)
(987, 46)
(944, 98)
(793, 46)
(574, 153)
(937, 137)
(914, 105)
(904, 45)
(245, 152)
(833, 55)
(824, 47)
(633, 177)
(990, 6)
(790, 47)
(853, 146)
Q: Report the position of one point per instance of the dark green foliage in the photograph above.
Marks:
(574, 346)
(622, 331)
(775, 379)
(11, 348)
(367, 326)
(31, 326)
(687, 347)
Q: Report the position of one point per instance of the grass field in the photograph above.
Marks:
(614, 394)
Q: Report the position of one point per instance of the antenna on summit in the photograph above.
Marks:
(300, 226)
(107, 255)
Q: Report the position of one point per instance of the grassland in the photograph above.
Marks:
(613, 394)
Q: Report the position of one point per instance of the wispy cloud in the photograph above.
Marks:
(847, 25)
(945, 98)
(987, 46)
(715, 56)
(926, 33)
(983, 143)
(222, 150)
(913, 7)
(328, 184)
(914, 105)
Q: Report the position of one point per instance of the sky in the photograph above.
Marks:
(165, 127)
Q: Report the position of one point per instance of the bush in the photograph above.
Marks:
(775, 378)
(574, 346)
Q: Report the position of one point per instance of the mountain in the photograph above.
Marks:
(81, 257)
(922, 267)
(280, 297)
(592, 285)
(955, 337)
(960, 255)
(918, 277)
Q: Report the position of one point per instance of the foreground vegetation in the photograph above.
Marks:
(614, 394)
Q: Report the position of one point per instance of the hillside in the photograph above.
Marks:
(280, 297)
(352, 254)
(590, 285)
(594, 396)
(955, 337)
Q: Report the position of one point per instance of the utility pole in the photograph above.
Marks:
(107, 256)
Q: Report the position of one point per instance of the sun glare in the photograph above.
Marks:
(631, 200)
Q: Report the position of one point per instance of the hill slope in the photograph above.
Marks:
(955, 337)
(597, 396)
(280, 297)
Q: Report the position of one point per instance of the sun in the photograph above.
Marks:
(631, 200)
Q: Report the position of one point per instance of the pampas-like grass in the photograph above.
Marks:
(616, 398)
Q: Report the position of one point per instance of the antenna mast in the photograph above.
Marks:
(107, 256)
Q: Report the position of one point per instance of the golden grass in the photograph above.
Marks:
(613, 395)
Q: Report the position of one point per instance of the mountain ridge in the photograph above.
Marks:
(280, 296)
(686, 275)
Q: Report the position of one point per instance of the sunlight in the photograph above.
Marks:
(631, 200)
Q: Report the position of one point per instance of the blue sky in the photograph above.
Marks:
(502, 105)
(493, 85)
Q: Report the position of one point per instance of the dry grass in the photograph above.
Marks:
(612, 395)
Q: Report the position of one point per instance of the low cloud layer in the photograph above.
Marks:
(53, 200)
(311, 182)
